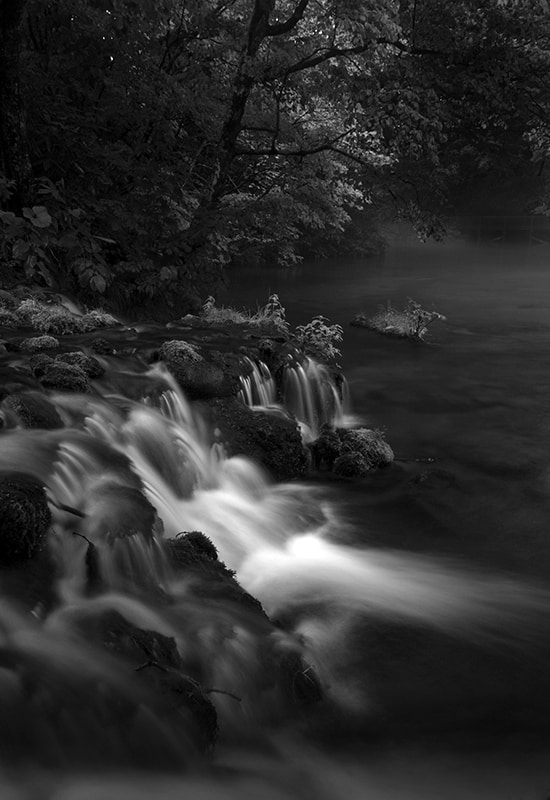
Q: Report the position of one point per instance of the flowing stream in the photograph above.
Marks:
(419, 595)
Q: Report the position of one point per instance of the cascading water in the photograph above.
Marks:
(282, 541)
(258, 388)
(309, 392)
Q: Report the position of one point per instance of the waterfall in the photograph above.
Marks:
(258, 388)
(309, 392)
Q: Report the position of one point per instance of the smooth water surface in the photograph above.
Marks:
(468, 415)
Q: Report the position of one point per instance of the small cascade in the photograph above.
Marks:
(311, 394)
(258, 388)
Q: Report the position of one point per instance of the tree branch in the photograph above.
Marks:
(291, 22)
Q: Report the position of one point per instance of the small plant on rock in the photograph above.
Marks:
(318, 339)
(410, 322)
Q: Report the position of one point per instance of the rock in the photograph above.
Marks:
(116, 510)
(234, 366)
(9, 319)
(154, 659)
(273, 440)
(7, 300)
(39, 362)
(351, 465)
(179, 353)
(34, 410)
(326, 449)
(198, 379)
(101, 346)
(193, 553)
(370, 444)
(361, 321)
(88, 364)
(37, 344)
(24, 517)
(62, 377)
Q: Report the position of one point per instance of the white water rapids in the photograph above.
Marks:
(282, 541)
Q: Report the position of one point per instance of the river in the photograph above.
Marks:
(468, 415)
(421, 592)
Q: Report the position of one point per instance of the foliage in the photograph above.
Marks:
(410, 322)
(272, 315)
(58, 320)
(318, 339)
(171, 139)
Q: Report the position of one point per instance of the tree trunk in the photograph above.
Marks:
(14, 147)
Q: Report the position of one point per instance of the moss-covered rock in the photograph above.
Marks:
(8, 319)
(370, 444)
(33, 410)
(326, 449)
(88, 364)
(62, 377)
(24, 517)
(37, 344)
(273, 440)
(350, 465)
(101, 346)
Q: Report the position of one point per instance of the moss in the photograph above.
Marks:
(88, 364)
(34, 410)
(369, 444)
(38, 343)
(24, 517)
(351, 465)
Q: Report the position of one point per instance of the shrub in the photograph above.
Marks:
(318, 338)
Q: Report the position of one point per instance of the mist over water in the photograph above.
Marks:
(420, 595)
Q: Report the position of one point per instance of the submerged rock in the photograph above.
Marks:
(34, 410)
(272, 440)
(154, 660)
(24, 517)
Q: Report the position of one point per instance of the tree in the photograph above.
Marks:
(171, 138)
(15, 165)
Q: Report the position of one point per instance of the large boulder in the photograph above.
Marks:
(24, 517)
(271, 439)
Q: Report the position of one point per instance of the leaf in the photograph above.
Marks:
(98, 283)
(38, 216)
(20, 249)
